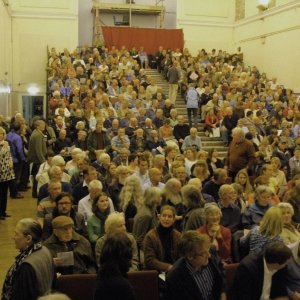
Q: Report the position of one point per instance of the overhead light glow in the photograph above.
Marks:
(32, 90)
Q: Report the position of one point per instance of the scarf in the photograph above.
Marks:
(12, 272)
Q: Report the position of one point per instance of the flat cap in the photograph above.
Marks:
(62, 221)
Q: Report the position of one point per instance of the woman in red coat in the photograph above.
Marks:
(220, 236)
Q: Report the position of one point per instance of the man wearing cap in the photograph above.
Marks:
(71, 252)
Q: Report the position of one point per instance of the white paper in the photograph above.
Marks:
(67, 258)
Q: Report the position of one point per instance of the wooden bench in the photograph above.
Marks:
(82, 286)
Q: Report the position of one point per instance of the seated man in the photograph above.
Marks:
(199, 273)
(192, 140)
(260, 276)
(71, 252)
(85, 204)
(63, 207)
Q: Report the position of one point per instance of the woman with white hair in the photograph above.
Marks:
(131, 197)
(289, 233)
(220, 236)
(114, 223)
(146, 217)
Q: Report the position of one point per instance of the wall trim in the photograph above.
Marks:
(205, 23)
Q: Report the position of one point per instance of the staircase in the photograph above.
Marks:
(207, 142)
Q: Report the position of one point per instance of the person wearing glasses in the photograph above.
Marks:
(198, 274)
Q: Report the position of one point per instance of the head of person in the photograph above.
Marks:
(180, 173)
(192, 197)
(63, 228)
(242, 177)
(201, 169)
(59, 161)
(167, 216)
(158, 161)
(287, 212)
(27, 232)
(155, 175)
(40, 125)
(100, 204)
(89, 174)
(275, 163)
(272, 223)
(55, 173)
(238, 135)
(196, 182)
(124, 153)
(54, 296)
(95, 188)
(152, 197)
(122, 172)
(104, 159)
(64, 202)
(264, 195)
(114, 223)
(143, 164)
(220, 176)
(227, 194)
(173, 186)
(54, 188)
(195, 248)
(212, 213)
(117, 252)
(193, 132)
(277, 256)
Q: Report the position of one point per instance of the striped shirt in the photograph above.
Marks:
(204, 278)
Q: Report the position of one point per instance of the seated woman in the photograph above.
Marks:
(243, 179)
(213, 161)
(189, 159)
(114, 224)
(115, 261)
(146, 217)
(279, 175)
(289, 233)
(220, 236)
(194, 202)
(212, 123)
(161, 244)
(200, 170)
(131, 198)
(95, 224)
(266, 233)
(255, 212)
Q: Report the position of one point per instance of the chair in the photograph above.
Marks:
(230, 270)
(82, 286)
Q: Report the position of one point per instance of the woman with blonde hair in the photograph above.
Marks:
(200, 170)
(131, 197)
(268, 231)
(289, 233)
(242, 178)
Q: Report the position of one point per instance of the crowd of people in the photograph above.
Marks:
(122, 181)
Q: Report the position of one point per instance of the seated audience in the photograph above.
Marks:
(198, 272)
(71, 252)
(161, 243)
(95, 223)
(220, 236)
(114, 224)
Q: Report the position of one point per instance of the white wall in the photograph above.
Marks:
(36, 24)
(5, 57)
(206, 24)
(151, 21)
(270, 40)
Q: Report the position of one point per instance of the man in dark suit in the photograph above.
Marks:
(261, 276)
(198, 274)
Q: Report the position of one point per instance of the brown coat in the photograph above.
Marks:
(154, 252)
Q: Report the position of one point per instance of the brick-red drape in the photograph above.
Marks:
(150, 38)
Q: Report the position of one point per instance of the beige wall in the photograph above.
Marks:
(36, 24)
(206, 24)
(5, 56)
(270, 40)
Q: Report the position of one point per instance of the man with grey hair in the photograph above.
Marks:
(85, 204)
(231, 213)
(192, 140)
(241, 153)
(198, 274)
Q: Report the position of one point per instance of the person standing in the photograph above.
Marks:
(192, 104)
(6, 172)
(173, 78)
(32, 273)
(18, 156)
(37, 150)
(241, 153)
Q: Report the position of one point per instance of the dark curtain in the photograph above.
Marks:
(149, 38)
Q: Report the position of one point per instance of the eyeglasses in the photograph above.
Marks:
(64, 203)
